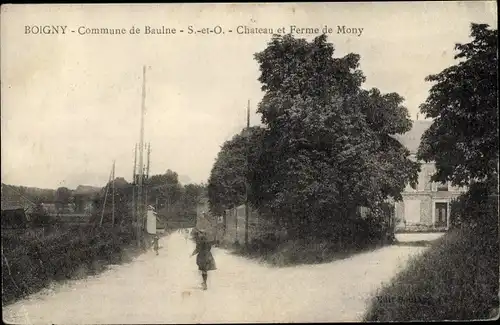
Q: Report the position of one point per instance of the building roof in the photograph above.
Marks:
(411, 139)
(12, 199)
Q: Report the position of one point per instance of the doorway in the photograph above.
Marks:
(441, 209)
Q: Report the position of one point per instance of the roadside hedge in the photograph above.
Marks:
(477, 207)
(31, 260)
(457, 278)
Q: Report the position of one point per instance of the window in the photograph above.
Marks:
(412, 211)
(428, 182)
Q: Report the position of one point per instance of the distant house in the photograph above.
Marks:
(16, 208)
(66, 214)
(429, 203)
(54, 209)
(84, 199)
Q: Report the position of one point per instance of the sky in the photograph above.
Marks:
(70, 103)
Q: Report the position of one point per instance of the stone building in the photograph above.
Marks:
(429, 204)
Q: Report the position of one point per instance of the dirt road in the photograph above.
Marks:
(166, 289)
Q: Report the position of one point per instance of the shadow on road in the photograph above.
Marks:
(417, 243)
(290, 255)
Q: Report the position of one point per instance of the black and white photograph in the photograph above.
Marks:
(204, 163)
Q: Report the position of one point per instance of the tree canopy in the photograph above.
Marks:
(226, 185)
(463, 139)
(326, 148)
(174, 200)
(165, 188)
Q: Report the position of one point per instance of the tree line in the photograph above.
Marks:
(170, 198)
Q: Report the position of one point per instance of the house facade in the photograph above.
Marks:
(429, 204)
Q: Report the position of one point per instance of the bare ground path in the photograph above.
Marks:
(166, 289)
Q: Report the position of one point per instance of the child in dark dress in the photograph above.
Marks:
(205, 259)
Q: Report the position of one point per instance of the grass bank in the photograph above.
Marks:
(456, 279)
(32, 259)
(296, 252)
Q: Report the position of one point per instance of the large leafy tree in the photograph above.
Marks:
(463, 139)
(191, 195)
(385, 117)
(123, 196)
(226, 185)
(328, 148)
(174, 200)
(293, 68)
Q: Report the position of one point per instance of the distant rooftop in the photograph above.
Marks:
(412, 138)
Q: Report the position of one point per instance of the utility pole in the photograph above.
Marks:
(113, 197)
(236, 224)
(247, 171)
(140, 201)
(134, 184)
(147, 165)
(105, 198)
(146, 178)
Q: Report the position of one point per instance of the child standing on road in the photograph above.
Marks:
(205, 259)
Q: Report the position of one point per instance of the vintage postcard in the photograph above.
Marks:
(252, 162)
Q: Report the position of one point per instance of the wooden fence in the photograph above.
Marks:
(235, 228)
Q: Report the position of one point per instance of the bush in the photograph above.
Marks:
(416, 228)
(479, 205)
(263, 245)
(325, 243)
(42, 220)
(343, 240)
(456, 279)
